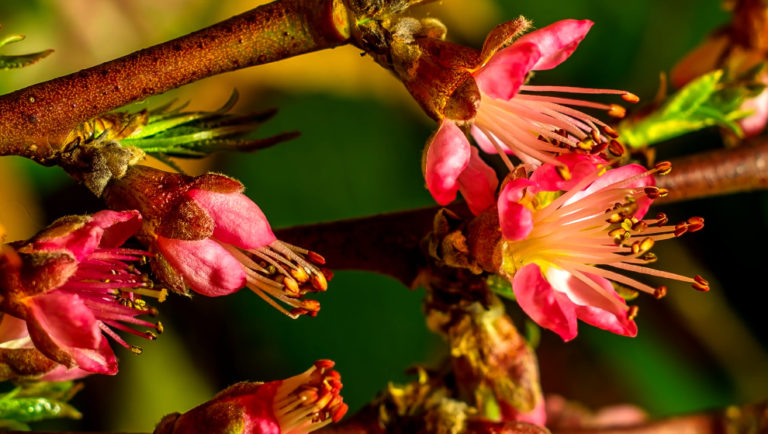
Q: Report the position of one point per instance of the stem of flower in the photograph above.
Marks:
(35, 120)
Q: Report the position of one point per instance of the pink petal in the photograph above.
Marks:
(516, 221)
(118, 226)
(98, 361)
(619, 174)
(62, 373)
(66, 319)
(448, 154)
(754, 124)
(537, 416)
(603, 309)
(239, 221)
(478, 184)
(103, 229)
(12, 329)
(547, 177)
(205, 265)
(503, 75)
(543, 304)
(556, 42)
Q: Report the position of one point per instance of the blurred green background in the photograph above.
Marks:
(358, 155)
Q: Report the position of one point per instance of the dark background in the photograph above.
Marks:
(358, 155)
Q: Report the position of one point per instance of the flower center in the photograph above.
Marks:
(112, 289)
(594, 230)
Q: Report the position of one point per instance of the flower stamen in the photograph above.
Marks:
(283, 272)
(311, 400)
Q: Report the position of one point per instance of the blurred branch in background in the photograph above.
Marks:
(723, 171)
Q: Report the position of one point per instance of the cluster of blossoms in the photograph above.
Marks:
(69, 289)
(564, 215)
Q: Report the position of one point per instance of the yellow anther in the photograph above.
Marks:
(630, 97)
(632, 312)
(663, 167)
(563, 172)
(617, 111)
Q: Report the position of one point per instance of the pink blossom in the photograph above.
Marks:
(300, 404)
(560, 235)
(515, 118)
(207, 235)
(72, 284)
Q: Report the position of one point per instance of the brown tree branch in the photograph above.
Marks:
(723, 171)
(34, 121)
(387, 244)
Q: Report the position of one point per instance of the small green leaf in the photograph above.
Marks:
(35, 402)
(688, 99)
(500, 286)
(21, 60)
(532, 334)
(707, 101)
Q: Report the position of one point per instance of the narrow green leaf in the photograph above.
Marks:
(20, 61)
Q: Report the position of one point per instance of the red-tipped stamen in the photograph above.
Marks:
(285, 273)
(309, 401)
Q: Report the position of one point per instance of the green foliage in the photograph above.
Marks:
(500, 286)
(174, 133)
(37, 401)
(20, 60)
(710, 100)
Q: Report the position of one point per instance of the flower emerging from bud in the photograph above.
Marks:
(72, 284)
(510, 117)
(205, 234)
(300, 404)
(560, 235)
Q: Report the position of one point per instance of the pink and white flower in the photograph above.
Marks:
(72, 284)
(563, 239)
(301, 404)
(515, 118)
(207, 235)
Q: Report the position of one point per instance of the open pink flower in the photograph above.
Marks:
(559, 235)
(300, 404)
(72, 284)
(207, 235)
(519, 119)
